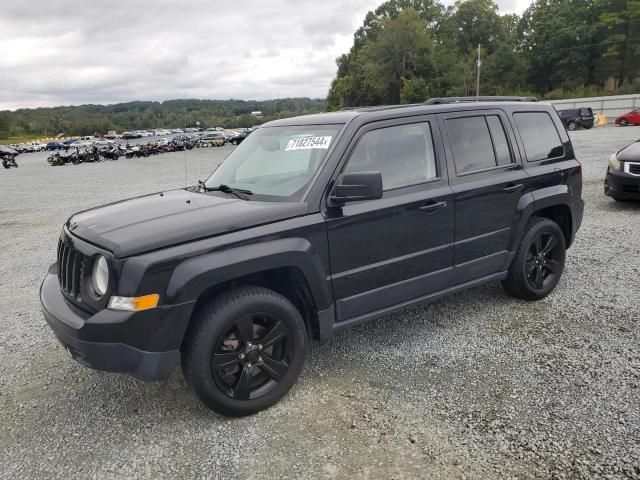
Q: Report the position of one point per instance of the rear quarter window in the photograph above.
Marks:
(539, 135)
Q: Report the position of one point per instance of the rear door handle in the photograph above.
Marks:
(433, 206)
(513, 188)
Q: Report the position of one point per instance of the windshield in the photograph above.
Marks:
(276, 163)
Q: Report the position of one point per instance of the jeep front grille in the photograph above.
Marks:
(71, 265)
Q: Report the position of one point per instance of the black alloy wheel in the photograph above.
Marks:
(543, 260)
(538, 263)
(244, 350)
(252, 356)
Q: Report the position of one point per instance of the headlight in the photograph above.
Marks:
(614, 163)
(100, 277)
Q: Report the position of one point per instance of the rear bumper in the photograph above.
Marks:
(102, 341)
(577, 213)
(622, 185)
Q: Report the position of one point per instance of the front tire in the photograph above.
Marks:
(539, 261)
(624, 122)
(244, 350)
(572, 126)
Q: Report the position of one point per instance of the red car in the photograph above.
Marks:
(630, 118)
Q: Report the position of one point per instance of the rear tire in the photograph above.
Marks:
(244, 350)
(539, 261)
(572, 126)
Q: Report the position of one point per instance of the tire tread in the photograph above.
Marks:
(513, 283)
(196, 337)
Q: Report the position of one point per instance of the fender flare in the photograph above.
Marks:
(195, 275)
(537, 200)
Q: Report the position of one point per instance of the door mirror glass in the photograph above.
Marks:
(357, 186)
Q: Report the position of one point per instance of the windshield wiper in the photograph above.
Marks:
(238, 192)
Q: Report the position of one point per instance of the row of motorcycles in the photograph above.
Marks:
(94, 154)
(8, 157)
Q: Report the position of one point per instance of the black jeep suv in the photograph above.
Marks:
(312, 225)
(576, 118)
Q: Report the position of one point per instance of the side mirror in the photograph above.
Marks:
(353, 187)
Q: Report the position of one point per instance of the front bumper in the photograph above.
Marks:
(622, 185)
(143, 344)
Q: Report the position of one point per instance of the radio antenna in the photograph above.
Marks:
(186, 176)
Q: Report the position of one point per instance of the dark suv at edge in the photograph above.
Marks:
(314, 224)
(576, 118)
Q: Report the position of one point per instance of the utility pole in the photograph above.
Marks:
(478, 64)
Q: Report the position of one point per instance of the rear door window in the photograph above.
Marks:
(539, 136)
(500, 143)
(478, 143)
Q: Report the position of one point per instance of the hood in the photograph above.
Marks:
(142, 224)
(630, 153)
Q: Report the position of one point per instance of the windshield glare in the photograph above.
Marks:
(276, 163)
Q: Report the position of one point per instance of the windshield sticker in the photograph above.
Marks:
(307, 143)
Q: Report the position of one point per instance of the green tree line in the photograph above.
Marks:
(88, 119)
(409, 50)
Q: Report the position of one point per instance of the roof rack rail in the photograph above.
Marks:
(441, 100)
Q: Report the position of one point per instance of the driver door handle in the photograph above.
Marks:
(433, 206)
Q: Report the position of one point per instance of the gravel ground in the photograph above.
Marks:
(479, 385)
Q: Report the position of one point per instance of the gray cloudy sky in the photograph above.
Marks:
(70, 52)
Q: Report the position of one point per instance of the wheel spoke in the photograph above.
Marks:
(530, 266)
(276, 369)
(224, 360)
(539, 278)
(537, 245)
(277, 333)
(245, 329)
(551, 243)
(242, 388)
(553, 266)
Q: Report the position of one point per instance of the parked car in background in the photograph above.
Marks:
(629, 118)
(238, 138)
(212, 139)
(81, 144)
(56, 146)
(69, 141)
(576, 118)
(24, 148)
(38, 146)
(130, 135)
(622, 181)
